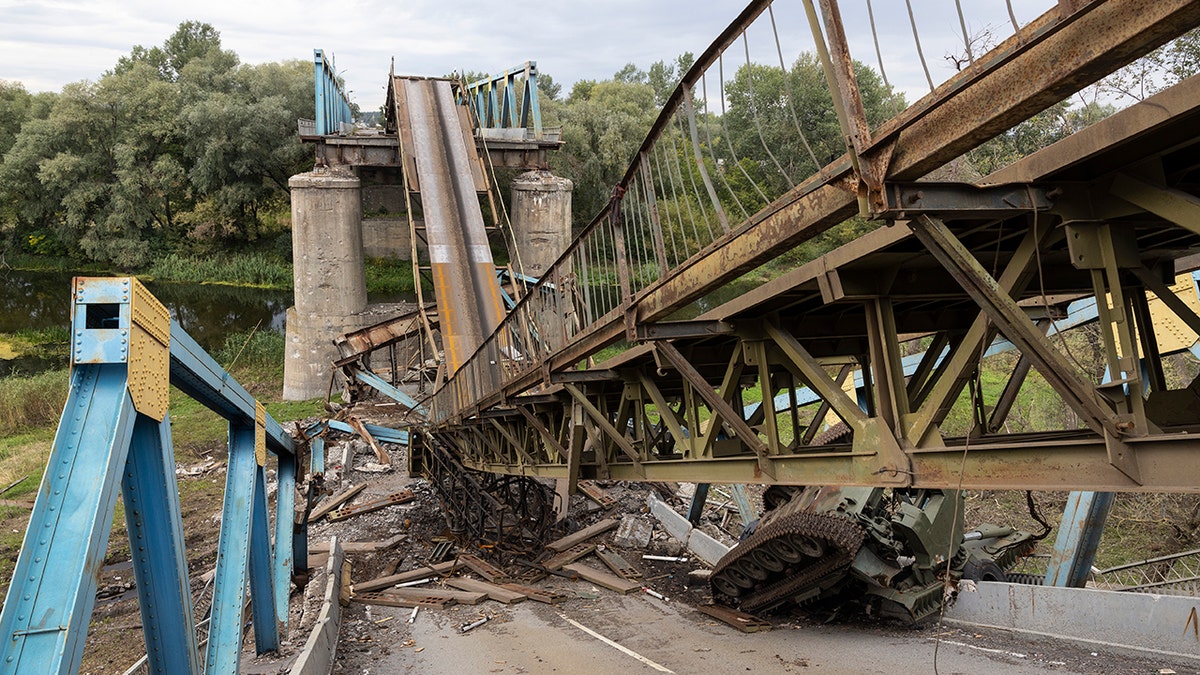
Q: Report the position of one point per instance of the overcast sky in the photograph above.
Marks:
(49, 43)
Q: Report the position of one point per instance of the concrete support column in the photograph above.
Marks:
(541, 220)
(330, 284)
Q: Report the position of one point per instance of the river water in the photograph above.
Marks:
(208, 312)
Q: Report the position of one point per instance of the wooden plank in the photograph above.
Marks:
(497, 593)
(403, 496)
(485, 569)
(381, 455)
(390, 600)
(335, 501)
(547, 596)
(596, 494)
(600, 578)
(461, 597)
(599, 527)
(360, 546)
(345, 589)
(569, 556)
(438, 570)
(618, 565)
(747, 623)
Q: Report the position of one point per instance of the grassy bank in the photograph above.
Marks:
(251, 270)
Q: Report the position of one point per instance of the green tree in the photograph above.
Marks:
(179, 147)
(603, 125)
(786, 123)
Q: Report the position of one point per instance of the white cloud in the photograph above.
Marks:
(52, 42)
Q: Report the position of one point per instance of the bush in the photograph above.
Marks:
(30, 402)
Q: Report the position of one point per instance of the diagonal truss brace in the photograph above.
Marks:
(1019, 329)
(718, 405)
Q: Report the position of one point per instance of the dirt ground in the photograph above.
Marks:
(594, 630)
(636, 632)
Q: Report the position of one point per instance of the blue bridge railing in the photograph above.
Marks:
(509, 101)
(333, 108)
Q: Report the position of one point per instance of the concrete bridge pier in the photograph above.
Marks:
(541, 220)
(330, 284)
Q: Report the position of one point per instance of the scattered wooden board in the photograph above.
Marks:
(335, 501)
(402, 496)
(485, 569)
(569, 556)
(600, 578)
(437, 570)
(599, 527)
(461, 597)
(381, 455)
(618, 565)
(360, 546)
(391, 600)
(317, 559)
(596, 494)
(547, 596)
(497, 593)
(747, 623)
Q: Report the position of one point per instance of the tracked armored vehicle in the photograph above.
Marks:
(891, 552)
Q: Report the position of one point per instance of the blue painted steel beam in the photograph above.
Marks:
(384, 387)
(382, 434)
(233, 554)
(496, 103)
(49, 602)
(200, 376)
(332, 105)
(262, 588)
(156, 544)
(1078, 538)
(285, 524)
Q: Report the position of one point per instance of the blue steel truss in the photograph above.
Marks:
(115, 438)
(333, 107)
(509, 101)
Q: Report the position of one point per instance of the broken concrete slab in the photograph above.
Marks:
(633, 532)
(705, 547)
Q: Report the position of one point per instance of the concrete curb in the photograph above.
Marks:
(703, 546)
(321, 647)
(1140, 624)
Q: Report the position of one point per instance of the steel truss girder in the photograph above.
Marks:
(114, 436)
(1002, 310)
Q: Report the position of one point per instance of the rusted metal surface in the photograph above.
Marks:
(485, 569)
(446, 167)
(400, 497)
(747, 623)
(821, 340)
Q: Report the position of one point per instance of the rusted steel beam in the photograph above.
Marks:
(946, 384)
(1016, 326)
(1049, 60)
(722, 411)
(605, 425)
(816, 377)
